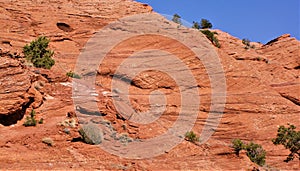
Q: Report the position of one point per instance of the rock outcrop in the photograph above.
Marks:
(263, 89)
(15, 83)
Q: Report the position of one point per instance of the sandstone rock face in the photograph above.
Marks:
(265, 87)
(285, 76)
(276, 63)
(15, 82)
(68, 24)
(262, 89)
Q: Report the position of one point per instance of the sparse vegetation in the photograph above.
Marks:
(48, 141)
(68, 123)
(255, 152)
(237, 145)
(247, 44)
(30, 120)
(211, 36)
(196, 25)
(290, 139)
(73, 75)
(38, 54)
(91, 134)
(176, 19)
(191, 136)
(206, 24)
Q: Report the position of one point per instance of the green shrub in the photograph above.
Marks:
(73, 75)
(176, 19)
(191, 136)
(256, 153)
(196, 25)
(211, 36)
(290, 139)
(30, 120)
(91, 134)
(205, 24)
(237, 145)
(247, 44)
(38, 54)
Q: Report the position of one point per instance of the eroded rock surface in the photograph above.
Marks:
(15, 97)
(262, 90)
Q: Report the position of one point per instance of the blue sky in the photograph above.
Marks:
(257, 20)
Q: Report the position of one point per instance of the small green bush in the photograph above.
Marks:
(91, 134)
(206, 24)
(247, 44)
(256, 153)
(191, 136)
(290, 139)
(30, 120)
(73, 75)
(38, 54)
(237, 145)
(196, 25)
(176, 19)
(211, 36)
